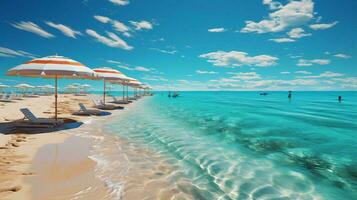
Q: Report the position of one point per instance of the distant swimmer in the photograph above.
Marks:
(339, 99)
(289, 95)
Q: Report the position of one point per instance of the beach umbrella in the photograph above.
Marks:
(71, 88)
(84, 87)
(2, 87)
(53, 67)
(110, 75)
(23, 87)
(135, 84)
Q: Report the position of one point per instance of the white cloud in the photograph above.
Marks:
(273, 5)
(67, 31)
(298, 33)
(141, 25)
(282, 40)
(216, 30)
(164, 51)
(114, 61)
(304, 62)
(326, 74)
(6, 52)
(323, 26)
(293, 14)
(120, 2)
(226, 80)
(341, 55)
(102, 19)
(111, 41)
(302, 72)
(245, 75)
(237, 58)
(117, 25)
(120, 26)
(205, 72)
(142, 69)
(33, 28)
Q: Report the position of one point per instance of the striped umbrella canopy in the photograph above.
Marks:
(135, 83)
(53, 67)
(23, 85)
(111, 75)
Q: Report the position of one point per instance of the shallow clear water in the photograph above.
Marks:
(240, 145)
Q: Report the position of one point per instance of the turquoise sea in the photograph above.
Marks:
(241, 145)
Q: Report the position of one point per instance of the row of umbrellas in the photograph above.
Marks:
(57, 67)
(26, 86)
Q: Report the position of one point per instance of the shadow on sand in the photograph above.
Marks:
(11, 128)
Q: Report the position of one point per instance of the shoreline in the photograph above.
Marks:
(26, 161)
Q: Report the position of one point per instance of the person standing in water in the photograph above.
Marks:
(289, 95)
(339, 99)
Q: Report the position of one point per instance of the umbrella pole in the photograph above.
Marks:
(127, 92)
(104, 92)
(56, 96)
(123, 92)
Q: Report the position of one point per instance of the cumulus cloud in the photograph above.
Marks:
(237, 58)
(102, 19)
(112, 40)
(142, 69)
(341, 55)
(282, 40)
(205, 72)
(323, 26)
(33, 28)
(298, 33)
(6, 52)
(117, 25)
(302, 72)
(141, 25)
(304, 62)
(273, 5)
(293, 14)
(120, 2)
(245, 75)
(216, 30)
(67, 31)
(326, 74)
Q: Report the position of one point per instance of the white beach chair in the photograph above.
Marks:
(84, 111)
(100, 105)
(119, 101)
(34, 120)
(7, 98)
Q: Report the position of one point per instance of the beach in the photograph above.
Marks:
(56, 160)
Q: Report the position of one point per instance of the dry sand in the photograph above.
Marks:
(52, 165)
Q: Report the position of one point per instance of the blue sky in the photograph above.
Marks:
(190, 44)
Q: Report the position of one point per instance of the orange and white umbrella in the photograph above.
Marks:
(53, 67)
(111, 75)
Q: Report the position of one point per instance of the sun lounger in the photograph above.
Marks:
(7, 98)
(100, 105)
(18, 96)
(119, 101)
(84, 111)
(32, 119)
(132, 98)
